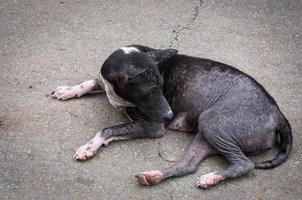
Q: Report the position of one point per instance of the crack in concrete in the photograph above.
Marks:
(171, 193)
(160, 154)
(3, 124)
(5, 155)
(187, 26)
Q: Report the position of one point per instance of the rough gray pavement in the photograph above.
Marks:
(57, 42)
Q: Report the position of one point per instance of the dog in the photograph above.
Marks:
(231, 113)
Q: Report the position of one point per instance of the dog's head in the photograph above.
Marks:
(132, 74)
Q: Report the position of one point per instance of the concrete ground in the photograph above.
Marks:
(57, 42)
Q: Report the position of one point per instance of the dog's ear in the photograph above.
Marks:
(162, 54)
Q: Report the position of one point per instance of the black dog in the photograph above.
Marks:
(231, 114)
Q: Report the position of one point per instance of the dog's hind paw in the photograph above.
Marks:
(149, 178)
(208, 180)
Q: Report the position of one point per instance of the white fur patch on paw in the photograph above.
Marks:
(90, 149)
(68, 92)
(65, 92)
(208, 180)
(84, 152)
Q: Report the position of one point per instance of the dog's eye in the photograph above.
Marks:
(153, 89)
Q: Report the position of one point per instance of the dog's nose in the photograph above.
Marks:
(168, 117)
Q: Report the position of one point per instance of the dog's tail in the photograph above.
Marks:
(286, 143)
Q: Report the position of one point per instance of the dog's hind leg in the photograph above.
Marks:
(219, 134)
(135, 129)
(196, 152)
(239, 165)
(69, 92)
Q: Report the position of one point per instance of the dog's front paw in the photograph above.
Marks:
(89, 149)
(84, 152)
(65, 92)
(149, 178)
(208, 180)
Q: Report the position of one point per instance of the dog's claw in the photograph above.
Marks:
(78, 158)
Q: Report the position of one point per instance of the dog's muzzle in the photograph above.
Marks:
(168, 117)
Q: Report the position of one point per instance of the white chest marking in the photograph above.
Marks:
(115, 100)
(128, 50)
